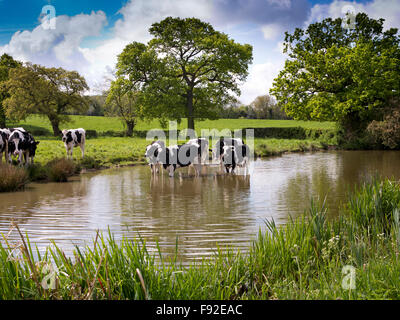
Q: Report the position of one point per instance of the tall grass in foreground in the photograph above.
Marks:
(304, 259)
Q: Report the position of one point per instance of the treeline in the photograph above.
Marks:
(263, 107)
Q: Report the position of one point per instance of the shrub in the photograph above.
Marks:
(12, 178)
(60, 169)
(91, 134)
(387, 132)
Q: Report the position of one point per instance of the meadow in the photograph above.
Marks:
(355, 256)
(109, 150)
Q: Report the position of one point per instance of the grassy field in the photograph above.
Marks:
(111, 151)
(355, 256)
(103, 124)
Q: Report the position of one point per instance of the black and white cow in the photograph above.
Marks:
(4, 135)
(22, 144)
(180, 156)
(218, 149)
(74, 138)
(235, 156)
(152, 155)
(202, 156)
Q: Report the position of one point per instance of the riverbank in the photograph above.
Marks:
(104, 153)
(354, 256)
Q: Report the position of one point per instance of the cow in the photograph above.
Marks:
(74, 138)
(180, 156)
(4, 135)
(202, 156)
(219, 148)
(235, 156)
(23, 144)
(151, 154)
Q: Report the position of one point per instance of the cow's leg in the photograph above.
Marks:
(82, 149)
(1, 157)
(71, 149)
(171, 170)
(152, 168)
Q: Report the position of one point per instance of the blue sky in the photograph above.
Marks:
(90, 34)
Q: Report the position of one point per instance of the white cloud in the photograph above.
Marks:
(260, 80)
(272, 31)
(57, 47)
(137, 17)
(387, 9)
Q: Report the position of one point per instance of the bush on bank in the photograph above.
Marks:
(12, 178)
(306, 259)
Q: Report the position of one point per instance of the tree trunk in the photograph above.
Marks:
(129, 127)
(2, 118)
(55, 124)
(190, 113)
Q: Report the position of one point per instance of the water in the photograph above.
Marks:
(200, 213)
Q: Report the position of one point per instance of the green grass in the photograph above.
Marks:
(103, 124)
(305, 259)
(112, 151)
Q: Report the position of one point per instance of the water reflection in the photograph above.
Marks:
(201, 212)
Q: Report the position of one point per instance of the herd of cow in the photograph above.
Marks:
(228, 152)
(21, 143)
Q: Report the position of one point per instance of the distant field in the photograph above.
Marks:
(102, 124)
(112, 151)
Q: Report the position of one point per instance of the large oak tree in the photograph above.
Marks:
(339, 74)
(49, 92)
(6, 64)
(187, 70)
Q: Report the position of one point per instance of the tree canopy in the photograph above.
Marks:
(187, 70)
(123, 102)
(50, 92)
(339, 74)
(6, 63)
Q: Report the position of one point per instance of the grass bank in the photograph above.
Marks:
(355, 256)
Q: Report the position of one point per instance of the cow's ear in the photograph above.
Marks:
(37, 142)
(60, 132)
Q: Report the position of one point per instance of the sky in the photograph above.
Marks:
(88, 35)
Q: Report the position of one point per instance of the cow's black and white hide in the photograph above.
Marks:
(218, 149)
(235, 156)
(22, 144)
(74, 138)
(229, 158)
(202, 156)
(152, 155)
(180, 156)
(4, 135)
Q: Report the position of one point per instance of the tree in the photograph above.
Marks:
(123, 101)
(265, 107)
(6, 63)
(187, 70)
(50, 92)
(339, 74)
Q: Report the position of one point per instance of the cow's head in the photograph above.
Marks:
(32, 147)
(66, 136)
(16, 142)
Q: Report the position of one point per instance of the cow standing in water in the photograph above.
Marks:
(151, 154)
(74, 138)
